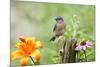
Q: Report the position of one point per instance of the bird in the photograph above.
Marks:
(59, 28)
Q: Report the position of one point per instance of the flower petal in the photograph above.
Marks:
(36, 55)
(20, 45)
(88, 44)
(78, 48)
(38, 45)
(16, 54)
(84, 47)
(24, 61)
(30, 43)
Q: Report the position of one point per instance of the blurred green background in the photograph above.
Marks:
(37, 20)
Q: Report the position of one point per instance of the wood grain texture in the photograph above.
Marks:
(66, 49)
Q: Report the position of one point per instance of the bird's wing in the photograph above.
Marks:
(54, 27)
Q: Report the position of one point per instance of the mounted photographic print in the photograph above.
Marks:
(51, 33)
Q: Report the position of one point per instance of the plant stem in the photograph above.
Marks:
(77, 56)
(85, 55)
(32, 59)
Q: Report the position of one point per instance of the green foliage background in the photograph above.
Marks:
(37, 20)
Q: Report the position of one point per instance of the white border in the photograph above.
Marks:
(5, 32)
(87, 2)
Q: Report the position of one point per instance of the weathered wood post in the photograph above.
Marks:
(66, 49)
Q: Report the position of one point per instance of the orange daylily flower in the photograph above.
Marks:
(27, 47)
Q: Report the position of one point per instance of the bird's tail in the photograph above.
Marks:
(53, 38)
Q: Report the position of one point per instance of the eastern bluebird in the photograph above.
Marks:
(59, 28)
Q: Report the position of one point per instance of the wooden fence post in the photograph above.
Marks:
(66, 49)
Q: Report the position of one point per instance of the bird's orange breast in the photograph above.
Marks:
(60, 26)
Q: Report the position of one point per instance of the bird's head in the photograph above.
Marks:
(59, 19)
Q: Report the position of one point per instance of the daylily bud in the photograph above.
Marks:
(22, 38)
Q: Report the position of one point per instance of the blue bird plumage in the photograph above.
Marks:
(54, 27)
